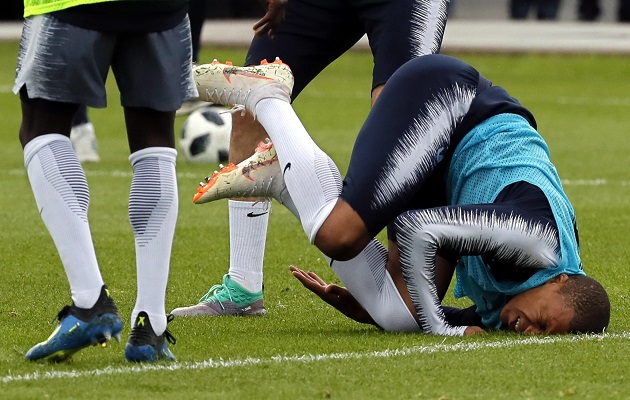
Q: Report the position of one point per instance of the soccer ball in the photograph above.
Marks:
(205, 135)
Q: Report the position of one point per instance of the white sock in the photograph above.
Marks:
(62, 196)
(312, 178)
(153, 204)
(248, 235)
(366, 277)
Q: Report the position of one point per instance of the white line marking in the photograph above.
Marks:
(463, 346)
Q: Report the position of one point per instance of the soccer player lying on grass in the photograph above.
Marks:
(455, 168)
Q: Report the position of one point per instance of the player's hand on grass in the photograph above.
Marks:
(335, 295)
(474, 330)
(272, 18)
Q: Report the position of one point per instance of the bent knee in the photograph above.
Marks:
(342, 241)
(339, 245)
(343, 234)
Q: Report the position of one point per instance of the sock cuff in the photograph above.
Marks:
(36, 144)
(166, 153)
(272, 97)
(318, 220)
(249, 205)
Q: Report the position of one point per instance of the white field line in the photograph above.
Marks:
(190, 175)
(463, 346)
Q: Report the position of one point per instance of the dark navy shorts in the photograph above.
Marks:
(401, 155)
(316, 32)
(398, 161)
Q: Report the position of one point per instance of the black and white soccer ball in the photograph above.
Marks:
(205, 135)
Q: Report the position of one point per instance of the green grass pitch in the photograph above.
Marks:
(303, 349)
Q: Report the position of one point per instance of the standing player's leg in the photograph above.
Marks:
(401, 31)
(310, 38)
(57, 179)
(153, 215)
(151, 91)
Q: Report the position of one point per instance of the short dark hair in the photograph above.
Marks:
(591, 304)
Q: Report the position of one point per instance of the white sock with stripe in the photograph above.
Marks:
(62, 196)
(153, 207)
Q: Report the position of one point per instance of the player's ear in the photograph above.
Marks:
(560, 279)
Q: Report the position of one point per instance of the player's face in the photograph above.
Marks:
(541, 310)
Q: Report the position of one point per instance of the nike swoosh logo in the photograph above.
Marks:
(235, 71)
(253, 214)
(286, 168)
